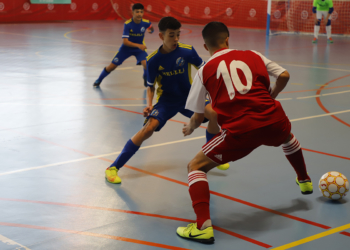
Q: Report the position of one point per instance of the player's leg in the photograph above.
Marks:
(317, 25)
(213, 128)
(329, 31)
(130, 148)
(141, 59)
(117, 60)
(202, 230)
(280, 134)
(160, 114)
(144, 76)
(292, 149)
(224, 147)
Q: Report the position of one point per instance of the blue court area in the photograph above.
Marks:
(58, 134)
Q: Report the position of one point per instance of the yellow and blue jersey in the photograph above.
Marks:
(172, 72)
(135, 32)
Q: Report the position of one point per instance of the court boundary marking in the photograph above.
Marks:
(106, 236)
(318, 100)
(140, 105)
(178, 182)
(220, 229)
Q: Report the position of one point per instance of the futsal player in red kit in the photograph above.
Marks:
(238, 84)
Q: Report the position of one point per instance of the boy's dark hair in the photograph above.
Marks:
(137, 6)
(168, 22)
(215, 33)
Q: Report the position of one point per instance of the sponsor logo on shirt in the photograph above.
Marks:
(135, 34)
(174, 72)
(143, 29)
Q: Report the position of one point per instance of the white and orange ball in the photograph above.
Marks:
(333, 185)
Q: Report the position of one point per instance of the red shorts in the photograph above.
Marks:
(225, 147)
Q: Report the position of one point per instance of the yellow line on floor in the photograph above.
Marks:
(10, 242)
(314, 237)
(80, 41)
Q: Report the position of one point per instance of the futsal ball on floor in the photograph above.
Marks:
(333, 185)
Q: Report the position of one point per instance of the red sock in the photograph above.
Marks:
(294, 154)
(199, 192)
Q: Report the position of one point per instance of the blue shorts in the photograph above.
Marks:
(165, 111)
(123, 54)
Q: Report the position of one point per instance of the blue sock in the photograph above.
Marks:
(104, 73)
(208, 135)
(128, 151)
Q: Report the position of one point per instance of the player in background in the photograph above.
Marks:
(133, 44)
(322, 8)
(239, 87)
(169, 67)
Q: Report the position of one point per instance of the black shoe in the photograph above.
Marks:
(145, 81)
(97, 84)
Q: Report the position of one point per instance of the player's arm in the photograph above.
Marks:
(149, 99)
(330, 11)
(196, 103)
(126, 42)
(314, 6)
(195, 59)
(275, 70)
(150, 29)
(281, 83)
(151, 79)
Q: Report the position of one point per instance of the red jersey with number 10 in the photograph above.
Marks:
(239, 88)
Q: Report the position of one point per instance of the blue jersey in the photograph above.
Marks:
(135, 32)
(172, 72)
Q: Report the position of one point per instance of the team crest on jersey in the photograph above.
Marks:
(143, 29)
(154, 112)
(115, 60)
(180, 62)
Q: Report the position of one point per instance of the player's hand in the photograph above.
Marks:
(274, 95)
(325, 21)
(187, 130)
(147, 111)
(142, 47)
(150, 30)
(316, 21)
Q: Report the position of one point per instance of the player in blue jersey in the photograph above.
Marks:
(170, 68)
(133, 44)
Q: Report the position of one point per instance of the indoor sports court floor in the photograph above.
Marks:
(58, 134)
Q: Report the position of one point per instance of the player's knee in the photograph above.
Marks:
(328, 22)
(288, 138)
(147, 131)
(193, 165)
(111, 67)
(318, 22)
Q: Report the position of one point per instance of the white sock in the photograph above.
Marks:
(329, 31)
(316, 31)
